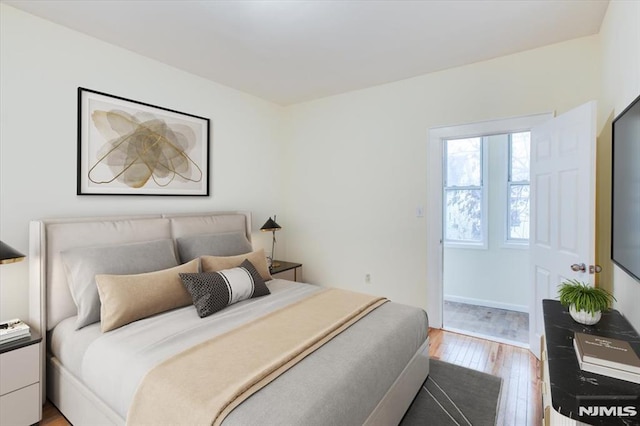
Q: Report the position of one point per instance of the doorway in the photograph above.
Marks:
(486, 236)
(562, 204)
(435, 244)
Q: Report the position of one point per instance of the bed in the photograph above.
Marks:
(367, 371)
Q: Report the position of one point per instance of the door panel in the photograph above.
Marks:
(562, 206)
(568, 187)
(543, 229)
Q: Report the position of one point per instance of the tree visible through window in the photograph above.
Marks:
(518, 187)
(463, 191)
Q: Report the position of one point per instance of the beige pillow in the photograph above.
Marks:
(127, 298)
(219, 263)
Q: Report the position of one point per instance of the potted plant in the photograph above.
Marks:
(585, 302)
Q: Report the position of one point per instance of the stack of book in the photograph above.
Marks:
(606, 356)
(13, 330)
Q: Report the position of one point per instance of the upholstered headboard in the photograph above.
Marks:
(50, 298)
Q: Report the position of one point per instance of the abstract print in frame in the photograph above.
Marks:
(127, 147)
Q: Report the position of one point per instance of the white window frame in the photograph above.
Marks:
(483, 244)
(508, 241)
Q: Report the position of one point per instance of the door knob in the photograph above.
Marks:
(579, 267)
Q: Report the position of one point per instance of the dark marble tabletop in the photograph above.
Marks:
(568, 382)
(28, 340)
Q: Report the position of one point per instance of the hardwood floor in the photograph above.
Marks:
(51, 416)
(519, 404)
(520, 399)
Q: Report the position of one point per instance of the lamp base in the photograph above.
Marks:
(275, 264)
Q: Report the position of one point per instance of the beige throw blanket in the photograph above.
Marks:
(201, 385)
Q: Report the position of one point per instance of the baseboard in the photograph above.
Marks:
(489, 303)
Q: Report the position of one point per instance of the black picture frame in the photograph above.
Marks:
(128, 147)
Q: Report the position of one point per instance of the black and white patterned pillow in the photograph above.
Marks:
(213, 291)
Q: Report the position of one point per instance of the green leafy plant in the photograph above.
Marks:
(584, 297)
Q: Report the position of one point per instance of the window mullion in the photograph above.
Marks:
(518, 191)
(463, 188)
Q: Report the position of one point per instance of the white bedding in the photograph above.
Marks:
(112, 364)
(340, 383)
(369, 373)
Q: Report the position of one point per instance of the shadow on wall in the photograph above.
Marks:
(603, 205)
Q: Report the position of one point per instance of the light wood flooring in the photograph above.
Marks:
(520, 399)
(519, 404)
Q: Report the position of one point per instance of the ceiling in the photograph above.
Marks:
(293, 51)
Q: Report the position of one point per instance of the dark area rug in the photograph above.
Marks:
(454, 395)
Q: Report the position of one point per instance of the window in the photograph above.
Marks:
(467, 181)
(464, 206)
(518, 187)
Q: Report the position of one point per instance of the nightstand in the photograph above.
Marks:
(287, 270)
(20, 381)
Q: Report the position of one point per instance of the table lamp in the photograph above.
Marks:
(271, 225)
(9, 254)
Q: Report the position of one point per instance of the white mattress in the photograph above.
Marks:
(113, 364)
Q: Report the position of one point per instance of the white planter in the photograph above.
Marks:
(584, 317)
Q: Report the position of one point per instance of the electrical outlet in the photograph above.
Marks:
(367, 278)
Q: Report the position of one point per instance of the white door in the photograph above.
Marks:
(562, 207)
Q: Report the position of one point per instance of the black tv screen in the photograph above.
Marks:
(625, 192)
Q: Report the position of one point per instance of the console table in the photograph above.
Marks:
(565, 384)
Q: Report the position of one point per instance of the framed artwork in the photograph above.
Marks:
(127, 147)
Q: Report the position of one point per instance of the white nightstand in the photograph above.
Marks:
(20, 396)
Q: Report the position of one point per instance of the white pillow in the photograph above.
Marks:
(223, 244)
(83, 264)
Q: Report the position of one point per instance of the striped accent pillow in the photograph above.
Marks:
(214, 291)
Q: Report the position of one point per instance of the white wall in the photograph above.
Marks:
(620, 50)
(357, 162)
(41, 66)
(344, 173)
(497, 276)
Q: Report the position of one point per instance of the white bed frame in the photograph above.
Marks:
(49, 303)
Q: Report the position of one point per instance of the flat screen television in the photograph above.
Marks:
(625, 192)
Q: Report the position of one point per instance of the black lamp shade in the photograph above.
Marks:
(270, 225)
(9, 254)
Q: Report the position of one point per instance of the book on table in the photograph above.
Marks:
(607, 356)
(12, 330)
